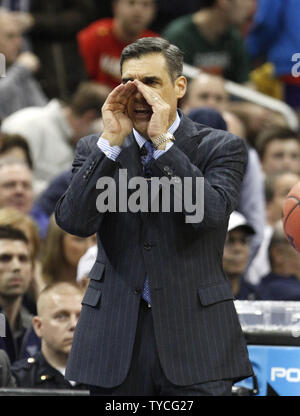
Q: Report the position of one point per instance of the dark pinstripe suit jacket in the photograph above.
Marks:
(197, 331)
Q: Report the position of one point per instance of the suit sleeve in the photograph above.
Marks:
(222, 176)
(76, 211)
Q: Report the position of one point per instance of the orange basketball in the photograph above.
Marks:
(291, 216)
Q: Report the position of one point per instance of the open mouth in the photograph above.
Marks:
(143, 113)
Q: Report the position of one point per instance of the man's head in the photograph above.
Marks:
(205, 90)
(16, 185)
(279, 150)
(58, 309)
(236, 12)
(277, 186)
(237, 245)
(84, 108)
(10, 36)
(133, 16)
(158, 64)
(15, 263)
(15, 146)
(284, 259)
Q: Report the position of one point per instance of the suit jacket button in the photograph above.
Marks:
(147, 246)
(137, 291)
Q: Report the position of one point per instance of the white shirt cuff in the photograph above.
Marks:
(112, 152)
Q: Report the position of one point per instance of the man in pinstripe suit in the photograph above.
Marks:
(189, 342)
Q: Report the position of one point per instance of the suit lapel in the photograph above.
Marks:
(183, 135)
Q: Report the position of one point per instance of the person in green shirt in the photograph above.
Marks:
(211, 39)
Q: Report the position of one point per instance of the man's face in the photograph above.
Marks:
(282, 155)
(207, 91)
(74, 247)
(152, 70)
(236, 252)
(241, 10)
(282, 187)
(58, 319)
(16, 187)
(10, 38)
(15, 268)
(134, 16)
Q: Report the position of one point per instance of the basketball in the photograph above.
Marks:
(291, 216)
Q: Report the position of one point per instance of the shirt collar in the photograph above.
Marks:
(141, 139)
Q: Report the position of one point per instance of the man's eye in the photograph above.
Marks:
(23, 259)
(61, 316)
(5, 258)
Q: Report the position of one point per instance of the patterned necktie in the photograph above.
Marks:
(147, 173)
(146, 158)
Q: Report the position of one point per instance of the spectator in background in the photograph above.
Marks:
(279, 149)
(51, 29)
(274, 38)
(16, 186)
(52, 132)
(210, 91)
(167, 11)
(15, 146)
(283, 281)
(45, 203)
(18, 88)
(277, 186)
(206, 90)
(15, 275)
(236, 256)
(58, 307)
(61, 254)
(6, 378)
(16, 219)
(210, 40)
(102, 42)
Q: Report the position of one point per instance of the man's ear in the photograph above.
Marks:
(37, 325)
(180, 86)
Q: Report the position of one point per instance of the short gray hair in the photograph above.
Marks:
(144, 46)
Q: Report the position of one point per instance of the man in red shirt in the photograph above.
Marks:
(101, 43)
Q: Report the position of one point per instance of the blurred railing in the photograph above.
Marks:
(236, 391)
(42, 392)
(253, 96)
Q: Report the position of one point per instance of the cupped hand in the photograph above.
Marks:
(116, 123)
(159, 122)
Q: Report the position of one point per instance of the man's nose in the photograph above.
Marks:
(138, 96)
(73, 321)
(15, 263)
(19, 188)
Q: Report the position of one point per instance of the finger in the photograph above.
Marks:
(150, 96)
(121, 93)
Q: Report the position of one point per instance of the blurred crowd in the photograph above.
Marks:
(62, 60)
